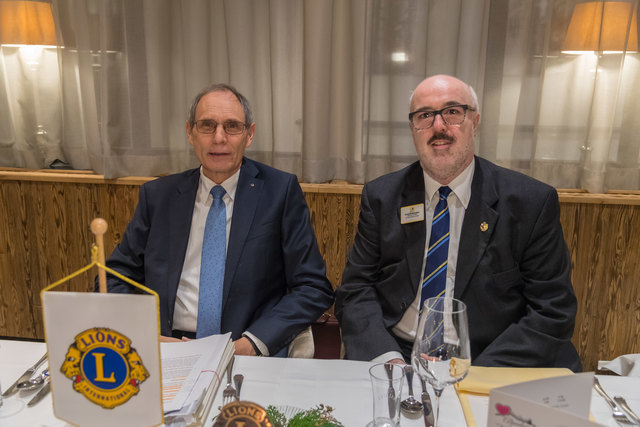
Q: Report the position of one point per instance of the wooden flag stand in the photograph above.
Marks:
(99, 227)
(104, 349)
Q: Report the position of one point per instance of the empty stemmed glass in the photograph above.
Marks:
(441, 352)
(9, 406)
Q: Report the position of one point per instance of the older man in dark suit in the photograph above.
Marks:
(507, 258)
(228, 246)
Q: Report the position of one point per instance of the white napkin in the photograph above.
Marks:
(627, 365)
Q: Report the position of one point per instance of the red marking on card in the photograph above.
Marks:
(502, 409)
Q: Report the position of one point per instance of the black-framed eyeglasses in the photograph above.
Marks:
(231, 127)
(451, 115)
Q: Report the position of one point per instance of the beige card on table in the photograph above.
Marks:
(549, 402)
(104, 358)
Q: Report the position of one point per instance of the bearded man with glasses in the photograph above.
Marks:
(503, 251)
(228, 246)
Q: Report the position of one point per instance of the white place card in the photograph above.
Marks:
(550, 402)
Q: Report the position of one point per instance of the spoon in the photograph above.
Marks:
(237, 379)
(410, 404)
(33, 383)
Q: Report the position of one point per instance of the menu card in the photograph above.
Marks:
(550, 402)
(191, 375)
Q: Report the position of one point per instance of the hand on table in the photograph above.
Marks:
(244, 347)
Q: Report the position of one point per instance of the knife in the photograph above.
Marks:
(426, 405)
(41, 393)
(623, 405)
(25, 377)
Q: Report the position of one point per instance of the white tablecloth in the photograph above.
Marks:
(15, 358)
(302, 383)
(341, 384)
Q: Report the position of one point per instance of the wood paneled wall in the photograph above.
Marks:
(605, 253)
(44, 235)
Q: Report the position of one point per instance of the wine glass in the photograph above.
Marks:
(441, 352)
(9, 406)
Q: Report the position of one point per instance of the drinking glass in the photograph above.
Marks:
(386, 385)
(441, 352)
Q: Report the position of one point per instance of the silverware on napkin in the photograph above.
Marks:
(617, 413)
(25, 377)
(426, 405)
(623, 405)
(41, 393)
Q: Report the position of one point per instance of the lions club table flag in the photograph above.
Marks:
(104, 354)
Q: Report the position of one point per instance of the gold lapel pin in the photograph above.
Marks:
(484, 226)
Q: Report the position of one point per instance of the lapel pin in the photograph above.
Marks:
(251, 185)
(484, 226)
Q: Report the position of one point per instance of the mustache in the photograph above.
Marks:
(441, 136)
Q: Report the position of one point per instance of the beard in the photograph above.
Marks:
(445, 165)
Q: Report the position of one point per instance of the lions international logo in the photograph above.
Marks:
(104, 367)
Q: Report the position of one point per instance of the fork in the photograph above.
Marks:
(622, 404)
(617, 413)
(229, 392)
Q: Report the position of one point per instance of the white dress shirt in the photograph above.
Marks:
(185, 314)
(458, 200)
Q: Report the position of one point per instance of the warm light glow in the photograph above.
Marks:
(399, 57)
(31, 53)
(598, 26)
(26, 23)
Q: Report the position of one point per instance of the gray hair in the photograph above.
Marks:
(221, 87)
(474, 98)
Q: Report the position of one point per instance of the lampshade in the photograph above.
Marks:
(26, 22)
(602, 26)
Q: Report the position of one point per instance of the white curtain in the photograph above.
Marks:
(565, 119)
(329, 82)
(30, 107)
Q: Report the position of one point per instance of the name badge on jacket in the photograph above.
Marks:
(412, 213)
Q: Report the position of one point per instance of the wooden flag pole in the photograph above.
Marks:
(99, 227)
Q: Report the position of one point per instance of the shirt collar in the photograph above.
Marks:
(460, 186)
(229, 185)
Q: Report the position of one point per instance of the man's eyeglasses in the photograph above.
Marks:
(231, 127)
(451, 115)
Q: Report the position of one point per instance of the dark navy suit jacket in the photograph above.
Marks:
(513, 275)
(275, 283)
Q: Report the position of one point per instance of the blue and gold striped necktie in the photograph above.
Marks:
(435, 270)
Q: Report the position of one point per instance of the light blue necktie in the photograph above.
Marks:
(212, 266)
(435, 270)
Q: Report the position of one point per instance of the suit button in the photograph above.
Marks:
(403, 306)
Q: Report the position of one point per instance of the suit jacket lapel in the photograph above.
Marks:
(244, 208)
(477, 227)
(412, 194)
(180, 215)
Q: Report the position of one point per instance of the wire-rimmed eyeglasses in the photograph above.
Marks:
(451, 115)
(231, 127)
